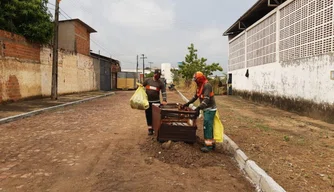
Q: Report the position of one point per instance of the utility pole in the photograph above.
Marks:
(54, 85)
(143, 57)
(137, 69)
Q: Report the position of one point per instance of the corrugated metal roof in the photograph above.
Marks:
(255, 13)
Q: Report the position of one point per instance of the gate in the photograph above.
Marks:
(126, 80)
(105, 75)
(229, 84)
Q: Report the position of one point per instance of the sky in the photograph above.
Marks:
(160, 29)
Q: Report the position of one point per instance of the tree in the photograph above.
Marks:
(151, 74)
(176, 76)
(193, 64)
(29, 18)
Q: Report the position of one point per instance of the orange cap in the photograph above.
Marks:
(197, 75)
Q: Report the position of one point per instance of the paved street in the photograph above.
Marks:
(25, 106)
(102, 145)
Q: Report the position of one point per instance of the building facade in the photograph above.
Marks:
(107, 71)
(166, 72)
(74, 35)
(26, 68)
(283, 52)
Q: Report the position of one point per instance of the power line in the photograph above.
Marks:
(69, 17)
(99, 45)
(66, 16)
(90, 38)
(88, 11)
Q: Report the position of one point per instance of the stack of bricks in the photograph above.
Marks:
(17, 46)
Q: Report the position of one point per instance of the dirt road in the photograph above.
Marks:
(297, 151)
(103, 145)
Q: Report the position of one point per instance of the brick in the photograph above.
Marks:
(17, 46)
(82, 39)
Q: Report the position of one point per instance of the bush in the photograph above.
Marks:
(29, 18)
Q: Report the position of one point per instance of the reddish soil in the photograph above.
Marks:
(297, 151)
(103, 145)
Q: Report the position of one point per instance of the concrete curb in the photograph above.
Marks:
(39, 111)
(258, 176)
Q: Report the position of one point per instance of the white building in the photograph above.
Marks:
(140, 71)
(287, 49)
(166, 73)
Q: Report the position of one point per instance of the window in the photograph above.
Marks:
(332, 75)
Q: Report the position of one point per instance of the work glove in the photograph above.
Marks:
(197, 110)
(183, 106)
(186, 105)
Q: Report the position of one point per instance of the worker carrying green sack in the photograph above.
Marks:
(211, 119)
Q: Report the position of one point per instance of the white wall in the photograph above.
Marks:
(165, 70)
(140, 71)
(75, 72)
(306, 78)
(283, 62)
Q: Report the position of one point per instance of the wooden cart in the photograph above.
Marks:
(170, 123)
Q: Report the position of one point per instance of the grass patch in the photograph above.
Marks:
(286, 138)
(263, 127)
(301, 141)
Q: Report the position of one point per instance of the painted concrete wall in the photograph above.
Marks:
(19, 79)
(285, 58)
(19, 67)
(23, 78)
(75, 72)
(305, 78)
(66, 36)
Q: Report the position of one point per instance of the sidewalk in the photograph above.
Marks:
(20, 107)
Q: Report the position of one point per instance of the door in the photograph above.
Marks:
(105, 76)
(229, 83)
(113, 81)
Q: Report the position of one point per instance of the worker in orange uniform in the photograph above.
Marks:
(153, 87)
(205, 93)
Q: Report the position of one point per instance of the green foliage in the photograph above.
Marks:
(150, 74)
(286, 138)
(263, 127)
(193, 64)
(176, 76)
(216, 85)
(29, 18)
